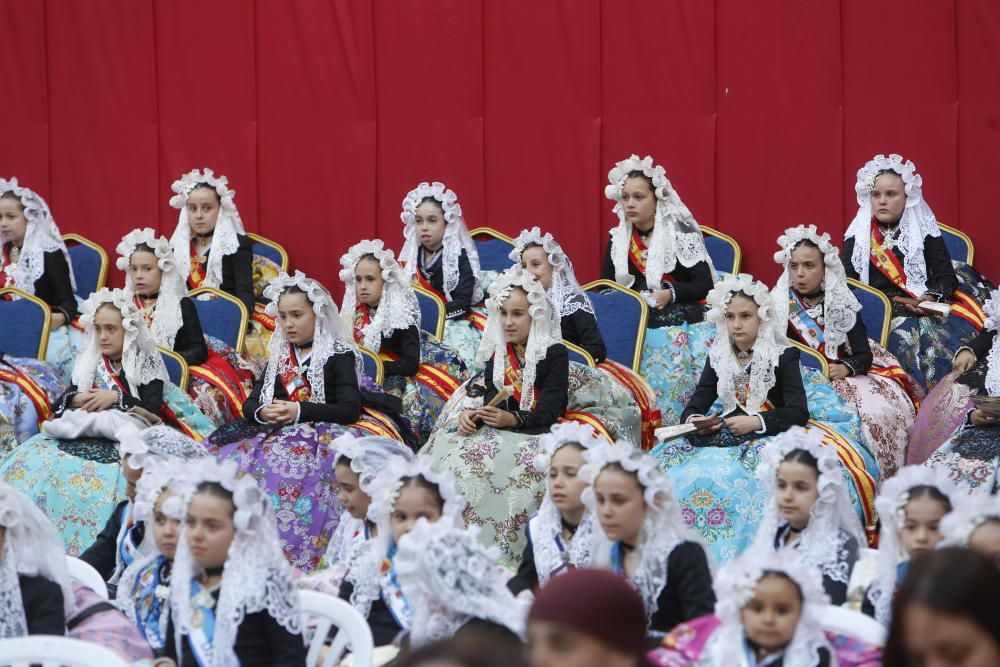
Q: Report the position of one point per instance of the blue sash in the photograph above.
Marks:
(201, 625)
(152, 610)
(804, 324)
(391, 592)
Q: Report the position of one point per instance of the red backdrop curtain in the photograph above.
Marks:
(323, 113)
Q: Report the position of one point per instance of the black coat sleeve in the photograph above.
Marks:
(552, 390)
(461, 296)
(287, 649)
(608, 266)
(54, 286)
(692, 284)
(406, 344)
(526, 578)
(190, 340)
(101, 554)
(150, 397)
(580, 328)
(43, 606)
(791, 408)
(343, 399)
(845, 258)
(942, 279)
(860, 359)
(688, 593)
(237, 273)
(252, 403)
(705, 394)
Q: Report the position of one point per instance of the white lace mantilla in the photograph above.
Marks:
(565, 291)
(398, 308)
(992, 310)
(41, 235)
(167, 315)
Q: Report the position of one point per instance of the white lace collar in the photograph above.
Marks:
(565, 291)
(228, 226)
(167, 316)
(41, 235)
(992, 310)
(676, 236)
(397, 310)
(918, 220)
(840, 306)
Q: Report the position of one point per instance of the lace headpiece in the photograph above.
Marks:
(565, 291)
(663, 528)
(329, 337)
(546, 329)
(918, 220)
(992, 310)
(369, 456)
(449, 578)
(819, 544)
(891, 507)
(398, 309)
(958, 525)
(41, 235)
(676, 236)
(735, 586)
(840, 306)
(167, 317)
(141, 360)
(228, 226)
(771, 341)
(456, 237)
(256, 576)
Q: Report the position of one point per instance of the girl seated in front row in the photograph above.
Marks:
(561, 534)
(642, 536)
(232, 599)
(910, 506)
(401, 494)
(809, 511)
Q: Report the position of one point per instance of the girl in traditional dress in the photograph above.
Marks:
(34, 583)
(153, 282)
(440, 256)
(401, 494)
(232, 598)
(809, 511)
(72, 468)
(212, 250)
(955, 433)
(642, 537)
(491, 448)
(974, 524)
(823, 313)
(542, 257)
(768, 613)
(910, 506)
(35, 260)
(894, 244)
(560, 535)
(382, 311)
(308, 396)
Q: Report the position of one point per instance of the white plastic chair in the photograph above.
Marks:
(854, 624)
(320, 613)
(84, 573)
(52, 651)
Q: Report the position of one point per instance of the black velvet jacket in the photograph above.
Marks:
(461, 296)
(237, 273)
(859, 361)
(406, 344)
(788, 395)
(690, 285)
(580, 328)
(343, 398)
(552, 387)
(941, 278)
(54, 286)
(150, 397)
(688, 593)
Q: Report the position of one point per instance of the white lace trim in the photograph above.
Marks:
(13, 622)
(347, 537)
(546, 330)
(734, 587)
(918, 220)
(41, 235)
(840, 306)
(456, 237)
(771, 342)
(449, 577)
(545, 527)
(369, 456)
(398, 308)
(256, 577)
(141, 360)
(890, 505)
(228, 226)
(832, 520)
(167, 315)
(676, 236)
(958, 525)
(992, 310)
(329, 337)
(565, 291)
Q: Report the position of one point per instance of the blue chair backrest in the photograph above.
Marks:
(269, 249)
(221, 315)
(876, 311)
(432, 313)
(89, 264)
(25, 330)
(621, 317)
(959, 245)
(723, 249)
(372, 365)
(578, 354)
(176, 367)
(810, 358)
(493, 249)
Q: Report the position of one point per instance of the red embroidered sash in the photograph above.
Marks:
(514, 376)
(294, 379)
(198, 270)
(34, 391)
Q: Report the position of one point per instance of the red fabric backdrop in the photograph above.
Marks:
(323, 113)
